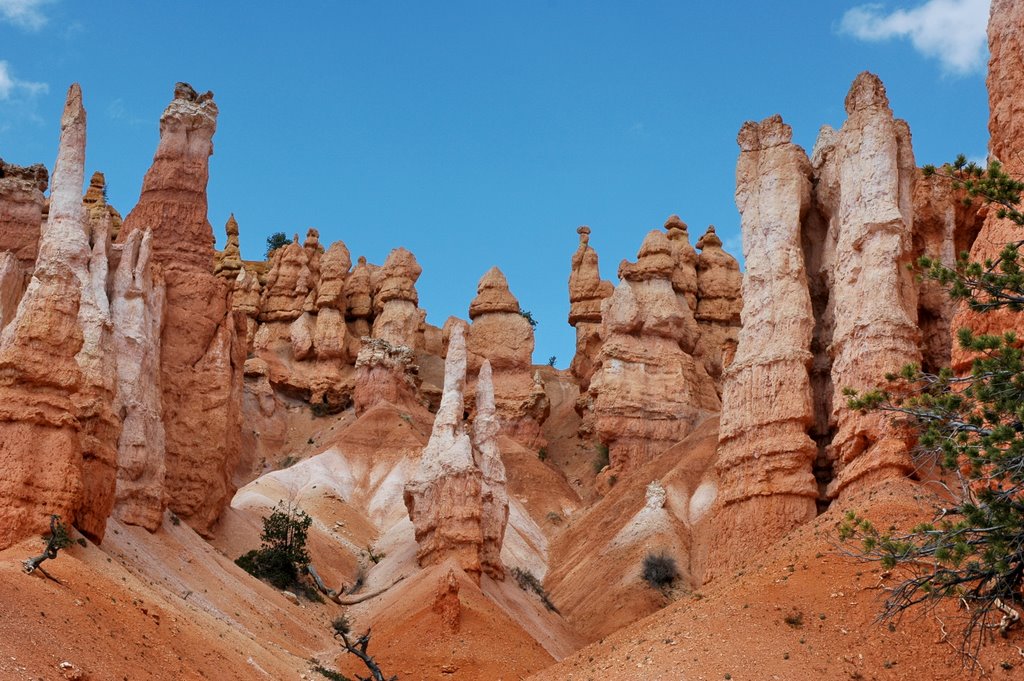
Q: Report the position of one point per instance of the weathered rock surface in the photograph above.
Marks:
(137, 310)
(289, 284)
(202, 346)
(457, 499)
(829, 304)
(397, 318)
(444, 496)
(719, 301)
(42, 365)
(494, 494)
(500, 334)
(586, 292)
(386, 373)
(765, 455)
(865, 179)
(21, 210)
(648, 391)
(229, 261)
(95, 201)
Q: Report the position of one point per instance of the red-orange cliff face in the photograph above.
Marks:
(202, 349)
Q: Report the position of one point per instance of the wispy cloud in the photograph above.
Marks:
(952, 31)
(11, 87)
(117, 110)
(27, 14)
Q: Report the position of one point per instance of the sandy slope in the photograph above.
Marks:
(737, 627)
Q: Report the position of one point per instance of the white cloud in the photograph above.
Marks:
(27, 14)
(11, 86)
(952, 31)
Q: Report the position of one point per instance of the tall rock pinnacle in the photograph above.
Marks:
(203, 345)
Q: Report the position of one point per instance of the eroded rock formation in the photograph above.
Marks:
(41, 451)
(21, 210)
(396, 317)
(202, 346)
(829, 304)
(501, 334)
(456, 500)
(229, 261)
(765, 455)
(648, 391)
(719, 301)
(865, 179)
(586, 292)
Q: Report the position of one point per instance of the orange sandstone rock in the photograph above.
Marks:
(648, 391)
(586, 292)
(765, 456)
(504, 337)
(21, 210)
(396, 317)
(202, 346)
(865, 174)
(457, 499)
(720, 299)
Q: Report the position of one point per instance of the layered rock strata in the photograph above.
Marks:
(40, 434)
(455, 499)
(586, 292)
(719, 301)
(765, 455)
(649, 391)
(137, 316)
(202, 345)
(396, 317)
(21, 210)
(502, 335)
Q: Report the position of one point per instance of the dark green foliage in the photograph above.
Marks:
(528, 582)
(660, 569)
(529, 317)
(542, 453)
(276, 241)
(601, 458)
(972, 426)
(327, 673)
(551, 360)
(282, 557)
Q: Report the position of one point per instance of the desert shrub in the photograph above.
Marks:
(660, 569)
(341, 625)
(528, 582)
(282, 557)
(528, 316)
(543, 453)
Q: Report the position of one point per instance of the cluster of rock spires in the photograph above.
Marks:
(141, 370)
(830, 304)
(457, 499)
(650, 350)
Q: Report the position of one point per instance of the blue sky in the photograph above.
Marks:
(480, 133)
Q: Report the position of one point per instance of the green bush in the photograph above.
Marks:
(282, 557)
